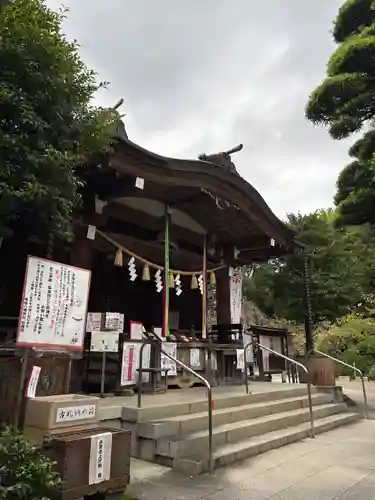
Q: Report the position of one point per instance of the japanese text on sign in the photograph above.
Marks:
(195, 358)
(71, 413)
(167, 363)
(100, 458)
(54, 305)
(235, 299)
(130, 363)
(32, 383)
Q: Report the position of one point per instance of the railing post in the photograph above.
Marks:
(291, 360)
(190, 370)
(364, 395)
(245, 361)
(140, 374)
(355, 369)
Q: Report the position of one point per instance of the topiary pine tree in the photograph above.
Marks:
(345, 103)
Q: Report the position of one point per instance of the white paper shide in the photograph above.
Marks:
(100, 458)
(54, 305)
(32, 383)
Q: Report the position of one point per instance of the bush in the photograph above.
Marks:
(25, 473)
(371, 373)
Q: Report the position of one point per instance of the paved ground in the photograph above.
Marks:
(354, 390)
(339, 465)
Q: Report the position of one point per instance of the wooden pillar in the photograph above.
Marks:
(204, 290)
(223, 304)
(167, 224)
(308, 308)
(80, 256)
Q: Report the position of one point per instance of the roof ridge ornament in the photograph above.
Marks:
(223, 159)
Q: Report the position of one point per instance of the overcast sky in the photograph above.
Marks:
(205, 75)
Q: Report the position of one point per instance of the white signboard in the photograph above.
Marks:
(104, 341)
(32, 383)
(165, 362)
(235, 299)
(94, 322)
(240, 359)
(247, 339)
(100, 458)
(195, 358)
(114, 321)
(54, 305)
(73, 413)
(213, 360)
(136, 330)
(130, 363)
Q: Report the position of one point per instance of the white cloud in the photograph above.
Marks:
(202, 76)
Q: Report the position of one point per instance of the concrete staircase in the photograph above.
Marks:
(243, 426)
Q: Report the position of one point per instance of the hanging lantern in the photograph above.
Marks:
(194, 282)
(212, 278)
(118, 258)
(146, 273)
(171, 280)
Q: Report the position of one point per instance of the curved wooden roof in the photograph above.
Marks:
(219, 199)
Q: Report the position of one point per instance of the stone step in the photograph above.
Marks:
(182, 425)
(196, 444)
(155, 412)
(235, 452)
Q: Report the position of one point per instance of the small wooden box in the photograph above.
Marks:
(73, 453)
(60, 411)
(38, 436)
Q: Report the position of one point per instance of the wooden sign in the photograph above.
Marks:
(53, 306)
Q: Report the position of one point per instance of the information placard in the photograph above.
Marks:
(235, 299)
(130, 363)
(167, 363)
(53, 306)
(104, 342)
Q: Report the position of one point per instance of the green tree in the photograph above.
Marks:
(345, 103)
(342, 271)
(351, 339)
(48, 126)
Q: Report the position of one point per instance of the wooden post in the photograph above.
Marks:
(167, 218)
(204, 290)
(308, 308)
(81, 256)
(23, 372)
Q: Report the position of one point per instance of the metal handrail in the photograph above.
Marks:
(190, 370)
(353, 367)
(291, 360)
